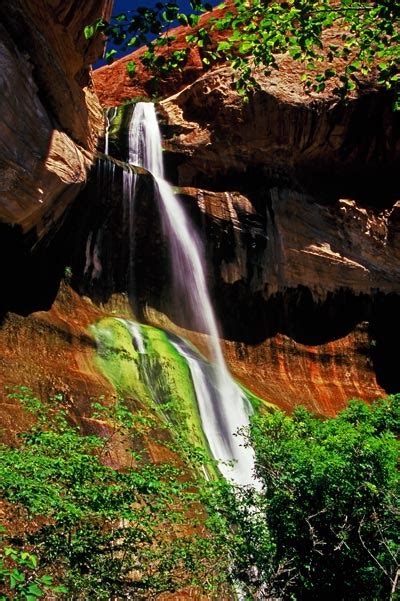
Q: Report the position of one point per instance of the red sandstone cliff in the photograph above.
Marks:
(302, 235)
(297, 200)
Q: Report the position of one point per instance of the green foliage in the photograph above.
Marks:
(324, 523)
(327, 515)
(19, 577)
(257, 32)
(68, 273)
(368, 32)
(131, 532)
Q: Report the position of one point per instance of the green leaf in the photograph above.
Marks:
(88, 32)
(330, 73)
(224, 45)
(60, 589)
(245, 47)
(46, 580)
(131, 68)
(110, 55)
(183, 19)
(193, 20)
(34, 590)
(16, 577)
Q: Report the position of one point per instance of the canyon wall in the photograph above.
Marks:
(50, 122)
(296, 197)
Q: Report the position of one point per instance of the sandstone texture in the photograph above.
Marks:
(50, 117)
(297, 198)
(283, 133)
(298, 201)
(301, 289)
(52, 353)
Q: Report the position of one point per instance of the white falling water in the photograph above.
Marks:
(135, 332)
(229, 410)
(129, 191)
(93, 252)
(93, 266)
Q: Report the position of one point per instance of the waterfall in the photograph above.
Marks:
(223, 407)
(135, 332)
(135, 142)
(94, 250)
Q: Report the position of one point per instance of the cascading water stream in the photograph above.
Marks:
(93, 252)
(134, 330)
(227, 410)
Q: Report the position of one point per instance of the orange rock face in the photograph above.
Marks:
(303, 323)
(296, 198)
(321, 378)
(50, 352)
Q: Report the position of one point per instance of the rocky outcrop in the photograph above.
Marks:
(283, 135)
(320, 377)
(304, 237)
(50, 352)
(296, 197)
(50, 117)
(307, 294)
(297, 200)
(284, 239)
(51, 355)
(306, 319)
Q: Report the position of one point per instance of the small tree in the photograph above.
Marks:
(328, 508)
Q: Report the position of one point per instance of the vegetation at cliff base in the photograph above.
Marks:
(348, 41)
(323, 524)
(132, 531)
(326, 523)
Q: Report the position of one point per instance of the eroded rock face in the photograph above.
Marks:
(306, 293)
(282, 135)
(52, 353)
(50, 117)
(285, 239)
(297, 201)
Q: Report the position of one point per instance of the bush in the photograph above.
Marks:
(328, 506)
(133, 533)
(323, 524)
